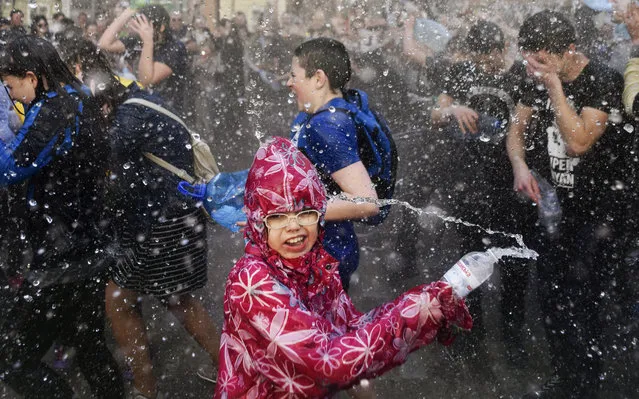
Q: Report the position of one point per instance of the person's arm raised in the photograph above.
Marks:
(109, 41)
(579, 131)
(410, 47)
(149, 71)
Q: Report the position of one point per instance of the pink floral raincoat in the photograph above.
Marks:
(290, 330)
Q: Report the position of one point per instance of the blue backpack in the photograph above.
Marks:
(376, 148)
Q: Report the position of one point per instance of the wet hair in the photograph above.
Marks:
(33, 54)
(95, 67)
(485, 37)
(326, 54)
(157, 15)
(547, 30)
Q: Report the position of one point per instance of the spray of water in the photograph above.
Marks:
(517, 252)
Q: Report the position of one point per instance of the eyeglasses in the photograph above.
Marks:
(280, 220)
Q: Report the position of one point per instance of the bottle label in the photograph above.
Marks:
(461, 278)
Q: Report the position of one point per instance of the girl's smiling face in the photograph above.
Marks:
(293, 240)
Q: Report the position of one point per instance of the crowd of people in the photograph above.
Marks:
(494, 110)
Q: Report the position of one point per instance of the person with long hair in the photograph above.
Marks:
(162, 64)
(162, 234)
(40, 27)
(59, 156)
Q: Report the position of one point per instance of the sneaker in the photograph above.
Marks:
(207, 373)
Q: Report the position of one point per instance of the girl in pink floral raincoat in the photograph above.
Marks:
(290, 330)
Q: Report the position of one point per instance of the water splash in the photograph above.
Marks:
(514, 252)
(522, 252)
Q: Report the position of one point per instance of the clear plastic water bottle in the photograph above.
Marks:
(548, 208)
(470, 271)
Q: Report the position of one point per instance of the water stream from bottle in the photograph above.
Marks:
(522, 251)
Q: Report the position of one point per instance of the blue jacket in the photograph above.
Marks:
(329, 140)
(6, 134)
(60, 154)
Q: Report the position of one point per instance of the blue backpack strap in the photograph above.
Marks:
(357, 105)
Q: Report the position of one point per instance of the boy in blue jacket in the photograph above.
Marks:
(320, 70)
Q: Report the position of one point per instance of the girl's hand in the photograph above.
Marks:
(142, 27)
(242, 226)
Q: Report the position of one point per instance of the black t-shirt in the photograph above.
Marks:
(479, 172)
(492, 94)
(590, 185)
(173, 54)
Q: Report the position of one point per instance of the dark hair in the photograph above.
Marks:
(15, 11)
(67, 22)
(157, 15)
(33, 54)
(95, 67)
(326, 54)
(35, 21)
(485, 37)
(547, 30)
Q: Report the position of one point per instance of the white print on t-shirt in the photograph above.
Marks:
(562, 166)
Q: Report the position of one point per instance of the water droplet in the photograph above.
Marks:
(307, 106)
(385, 73)
(189, 146)
(127, 165)
(331, 109)
(101, 86)
(48, 218)
(36, 283)
(33, 202)
(33, 4)
(484, 138)
(629, 128)
(28, 298)
(291, 95)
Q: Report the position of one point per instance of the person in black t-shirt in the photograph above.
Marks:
(576, 102)
(162, 60)
(473, 113)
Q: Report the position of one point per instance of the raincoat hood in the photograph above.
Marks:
(280, 180)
